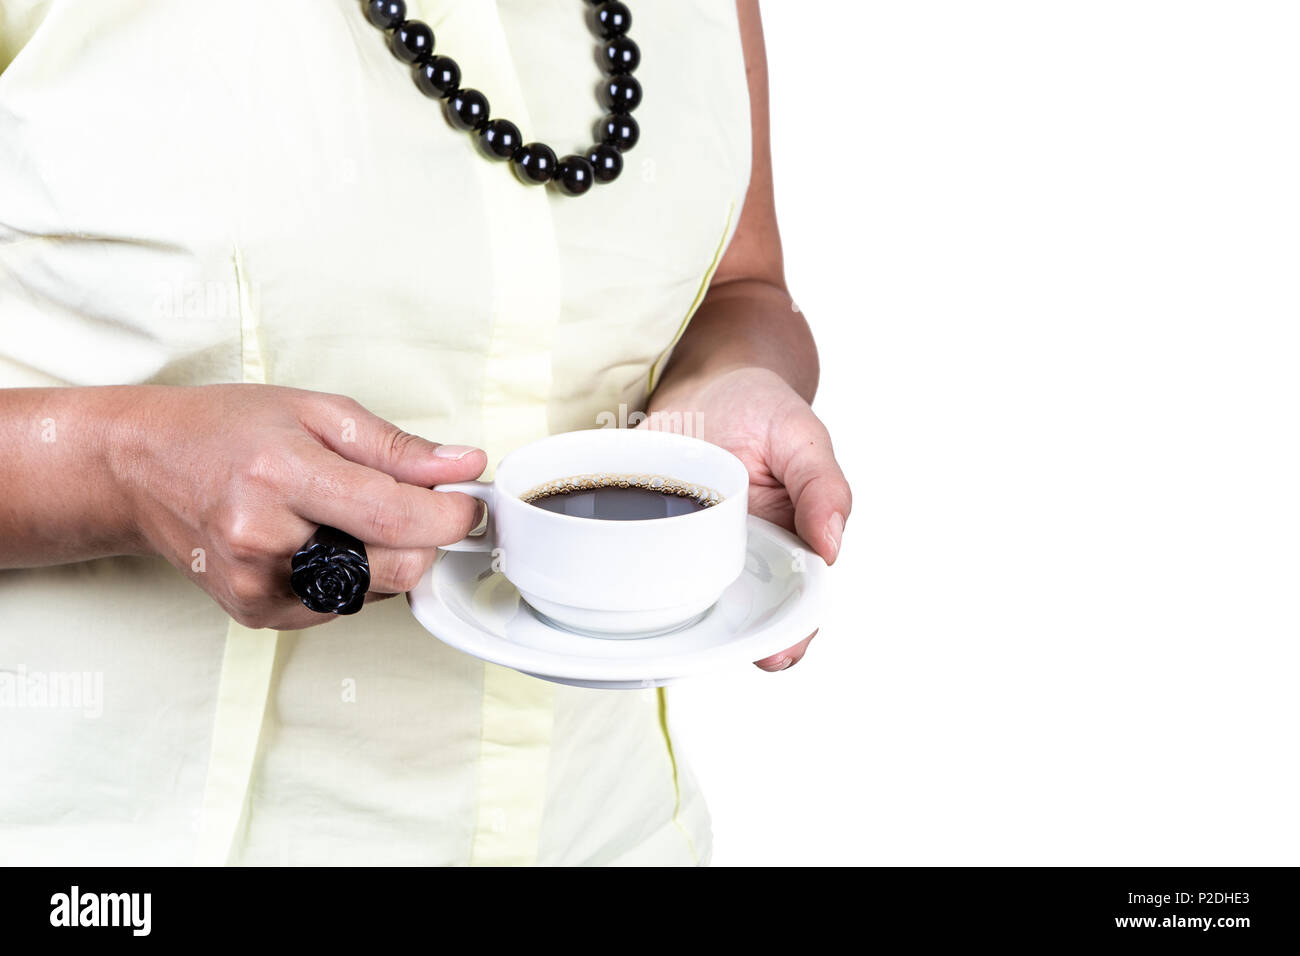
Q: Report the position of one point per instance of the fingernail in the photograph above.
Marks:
(834, 532)
(455, 452)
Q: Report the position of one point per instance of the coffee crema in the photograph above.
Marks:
(621, 497)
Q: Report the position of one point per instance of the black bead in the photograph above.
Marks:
(411, 41)
(386, 14)
(606, 161)
(574, 174)
(613, 19)
(437, 77)
(500, 139)
(534, 163)
(621, 55)
(622, 93)
(620, 130)
(467, 109)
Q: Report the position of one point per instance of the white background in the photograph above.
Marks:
(1051, 253)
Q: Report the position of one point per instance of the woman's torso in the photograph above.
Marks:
(192, 193)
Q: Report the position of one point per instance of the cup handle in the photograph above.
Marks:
(482, 490)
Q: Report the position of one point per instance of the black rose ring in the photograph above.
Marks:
(331, 573)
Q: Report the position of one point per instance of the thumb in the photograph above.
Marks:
(817, 487)
(354, 433)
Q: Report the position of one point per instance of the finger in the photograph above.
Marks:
(258, 592)
(375, 508)
(396, 571)
(258, 596)
(816, 486)
(787, 658)
(351, 431)
(296, 617)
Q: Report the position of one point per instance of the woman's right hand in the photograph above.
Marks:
(227, 481)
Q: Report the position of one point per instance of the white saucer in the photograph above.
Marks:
(774, 604)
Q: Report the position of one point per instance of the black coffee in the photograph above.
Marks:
(621, 497)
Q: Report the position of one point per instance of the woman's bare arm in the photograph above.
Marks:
(745, 372)
(748, 319)
(57, 502)
(237, 475)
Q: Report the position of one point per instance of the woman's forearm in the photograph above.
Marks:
(743, 323)
(747, 319)
(57, 499)
(225, 482)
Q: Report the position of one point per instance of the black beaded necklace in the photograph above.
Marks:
(438, 77)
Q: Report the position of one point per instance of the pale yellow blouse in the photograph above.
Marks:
(194, 191)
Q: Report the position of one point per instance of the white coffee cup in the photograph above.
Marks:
(615, 578)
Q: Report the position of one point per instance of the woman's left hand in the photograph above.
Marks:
(794, 479)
